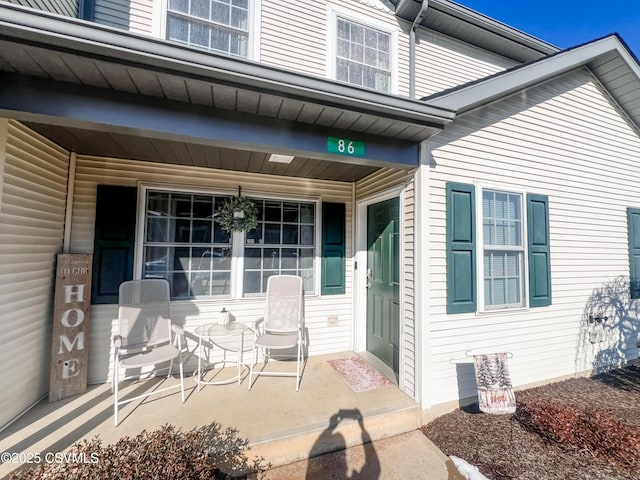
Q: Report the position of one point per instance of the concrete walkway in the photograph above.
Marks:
(408, 456)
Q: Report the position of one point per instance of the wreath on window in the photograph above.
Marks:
(238, 214)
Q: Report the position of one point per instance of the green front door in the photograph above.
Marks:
(383, 281)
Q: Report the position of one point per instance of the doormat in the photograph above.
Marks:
(359, 374)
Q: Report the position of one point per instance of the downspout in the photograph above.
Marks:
(412, 48)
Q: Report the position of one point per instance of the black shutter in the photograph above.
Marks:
(633, 221)
(539, 251)
(333, 248)
(461, 248)
(114, 239)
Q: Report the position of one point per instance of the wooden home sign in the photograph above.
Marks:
(69, 355)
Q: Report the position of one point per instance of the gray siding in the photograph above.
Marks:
(33, 181)
(68, 8)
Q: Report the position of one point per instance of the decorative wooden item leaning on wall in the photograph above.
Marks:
(69, 351)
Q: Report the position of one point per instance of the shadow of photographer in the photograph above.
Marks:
(339, 465)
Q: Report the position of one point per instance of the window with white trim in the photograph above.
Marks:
(282, 243)
(363, 55)
(503, 249)
(215, 25)
(184, 243)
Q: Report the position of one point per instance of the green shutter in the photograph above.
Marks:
(633, 222)
(461, 248)
(539, 251)
(333, 248)
(114, 239)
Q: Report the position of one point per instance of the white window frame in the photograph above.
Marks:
(335, 11)
(159, 29)
(480, 248)
(237, 240)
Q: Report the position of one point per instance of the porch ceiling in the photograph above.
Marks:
(64, 51)
(89, 142)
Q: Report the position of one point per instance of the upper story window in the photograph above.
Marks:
(216, 25)
(363, 55)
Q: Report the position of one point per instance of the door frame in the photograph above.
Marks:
(360, 275)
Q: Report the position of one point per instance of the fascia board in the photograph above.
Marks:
(80, 37)
(501, 85)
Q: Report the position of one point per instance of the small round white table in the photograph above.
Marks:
(230, 339)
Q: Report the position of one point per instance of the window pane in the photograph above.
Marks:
(272, 233)
(179, 5)
(220, 283)
(220, 13)
(289, 258)
(239, 18)
(177, 29)
(290, 212)
(201, 232)
(287, 226)
(179, 244)
(220, 40)
(252, 282)
(182, 231)
(307, 235)
(221, 258)
(290, 234)
(155, 259)
(200, 8)
(252, 258)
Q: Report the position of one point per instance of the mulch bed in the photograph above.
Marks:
(503, 449)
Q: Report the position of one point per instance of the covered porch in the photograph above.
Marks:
(83, 106)
(280, 424)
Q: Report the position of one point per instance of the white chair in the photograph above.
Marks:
(282, 326)
(145, 333)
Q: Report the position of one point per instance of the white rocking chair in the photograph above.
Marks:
(145, 335)
(282, 326)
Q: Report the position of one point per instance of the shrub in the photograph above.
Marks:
(166, 453)
(594, 430)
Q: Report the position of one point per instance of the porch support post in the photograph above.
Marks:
(422, 264)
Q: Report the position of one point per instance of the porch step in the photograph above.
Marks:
(343, 431)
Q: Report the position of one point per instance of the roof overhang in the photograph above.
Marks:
(463, 23)
(78, 59)
(608, 59)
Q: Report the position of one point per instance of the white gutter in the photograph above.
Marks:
(412, 48)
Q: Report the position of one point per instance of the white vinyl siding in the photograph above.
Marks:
(133, 15)
(33, 187)
(564, 139)
(443, 62)
(377, 183)
(91, 171)
(293, 35)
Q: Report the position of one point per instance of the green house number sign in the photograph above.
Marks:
(344, 146)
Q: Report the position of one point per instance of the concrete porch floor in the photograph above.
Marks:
(280, 424)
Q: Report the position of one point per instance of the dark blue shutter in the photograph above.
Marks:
(633, 222)
(461, 248)
(333, 248)
(539, 251)
(113, 243)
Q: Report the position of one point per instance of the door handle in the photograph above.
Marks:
(369, 276)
